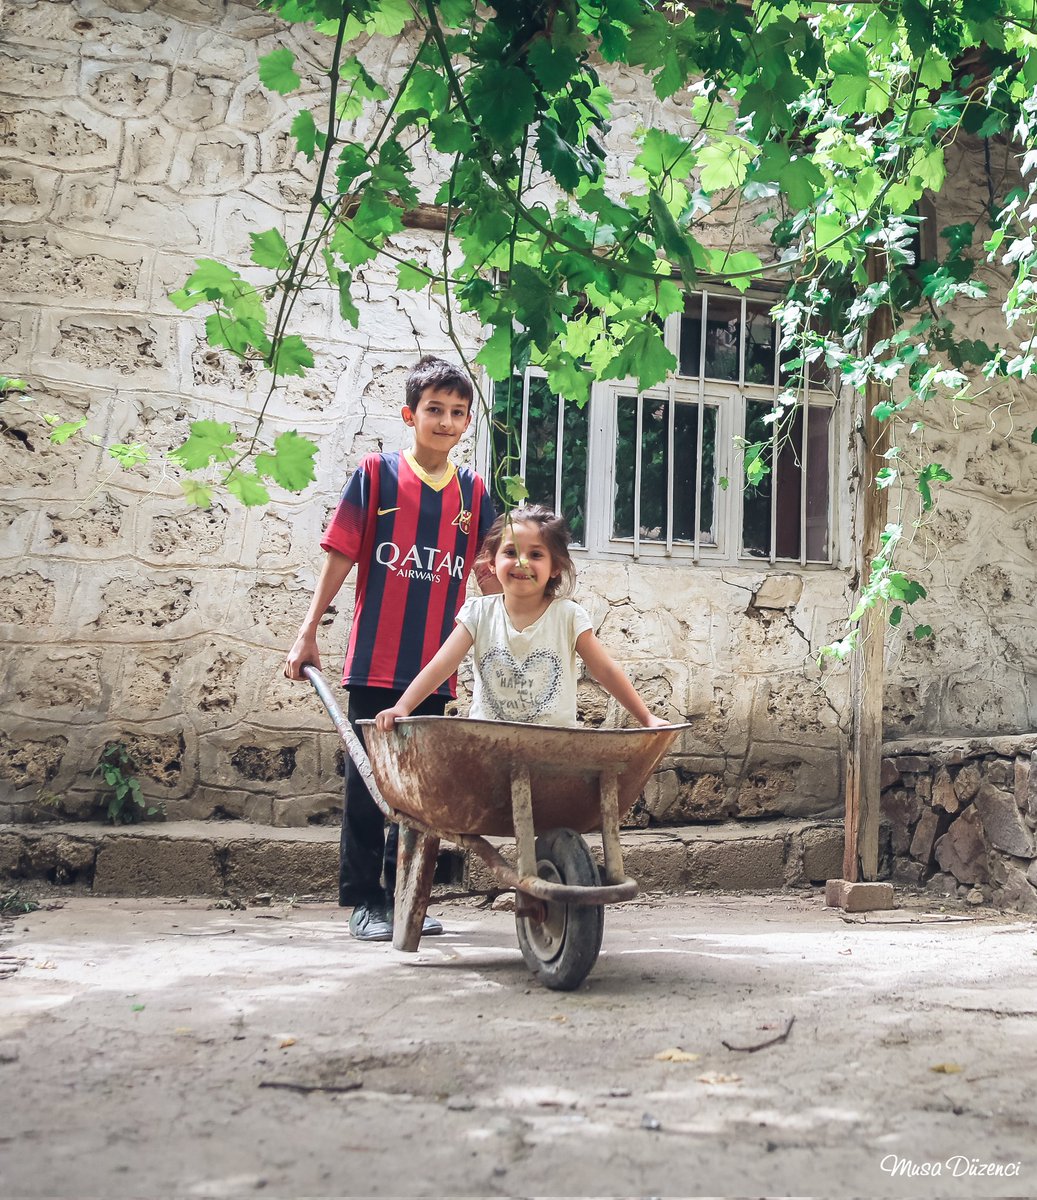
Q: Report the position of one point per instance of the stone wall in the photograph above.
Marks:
(960, 817)
(135, 138)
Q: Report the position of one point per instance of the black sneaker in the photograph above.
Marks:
(431, 926)
(371, 923)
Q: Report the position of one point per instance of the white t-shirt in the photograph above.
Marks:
(527, 675)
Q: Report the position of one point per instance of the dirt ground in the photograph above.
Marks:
(160, 1049)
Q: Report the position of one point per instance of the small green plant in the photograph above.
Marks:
(125, 802)
(13, 903)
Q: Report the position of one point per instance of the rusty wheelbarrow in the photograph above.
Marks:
(466, 780)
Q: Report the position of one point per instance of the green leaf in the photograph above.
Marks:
(347, 308)
(247, 487)
(291, 356)
(643, 356)
(291, 464)
(307, 136)
(269, 249)
(275, 71)
(896, 616)
(664, 154)
(723, 164)
(411, 277)
(129, 454)
(515, 488)
(209, 441)
(196, 494)
(496, 354)
(503, 102)
(390, 17)
(63, 432)
(922, 631)
(1033, 436)
(933, 473)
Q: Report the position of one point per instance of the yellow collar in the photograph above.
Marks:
(436, 484)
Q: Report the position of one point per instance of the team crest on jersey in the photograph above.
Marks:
(463, 520)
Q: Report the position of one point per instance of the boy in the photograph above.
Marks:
(412, 522)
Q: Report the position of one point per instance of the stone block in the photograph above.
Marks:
(778, 591)
(922, 842)
(962, 852)
(659, 864)
(1000, 773)
(967, 782)
(912, 764)
(902, 810)
(907, 873)
(745, 864)
(944, 794)
(289, 868)
(1023, 771)
(1031, 791)
(859, 897)
(1002, 823)
(1016, 891)
(890, 773)
(822, 855)
(148, 865)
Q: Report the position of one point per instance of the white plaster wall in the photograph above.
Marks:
(134, 138)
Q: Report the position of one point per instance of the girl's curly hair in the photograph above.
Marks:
(554, 533)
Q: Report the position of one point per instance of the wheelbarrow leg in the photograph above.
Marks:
(414, 872)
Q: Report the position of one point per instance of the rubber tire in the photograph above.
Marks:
(561, 951)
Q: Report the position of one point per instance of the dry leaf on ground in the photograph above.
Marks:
(676, 1054)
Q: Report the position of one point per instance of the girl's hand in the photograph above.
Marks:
(655, 722)
(388, 717)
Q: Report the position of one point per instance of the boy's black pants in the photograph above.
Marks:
(365, 849)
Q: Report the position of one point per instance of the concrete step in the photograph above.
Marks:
(237, 859)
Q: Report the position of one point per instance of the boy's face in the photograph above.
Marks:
(438, 420)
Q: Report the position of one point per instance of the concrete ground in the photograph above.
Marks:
(158, 1049)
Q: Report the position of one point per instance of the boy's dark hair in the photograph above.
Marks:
(440, 376)
(554, 533)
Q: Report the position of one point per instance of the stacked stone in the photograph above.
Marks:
(961, 817)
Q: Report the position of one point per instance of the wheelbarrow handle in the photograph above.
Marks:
(353, 744)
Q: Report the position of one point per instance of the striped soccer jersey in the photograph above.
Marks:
(414, 542)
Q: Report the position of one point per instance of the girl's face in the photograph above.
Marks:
(523, 563)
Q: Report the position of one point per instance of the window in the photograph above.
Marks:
(658, 474)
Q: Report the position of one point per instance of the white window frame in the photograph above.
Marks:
(731, 399)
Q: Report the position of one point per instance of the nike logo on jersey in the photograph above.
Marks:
(384, 511)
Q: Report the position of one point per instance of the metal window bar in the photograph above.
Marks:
(524, 441)
(559, 433)
(639, 404)
(671, 404)
(804, 458)
(695, 554)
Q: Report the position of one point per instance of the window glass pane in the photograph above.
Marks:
(723, 330)
(626, 457)
(655, 464)
(541, 448)
(541, 438)
(689, 342)
(760, 345)
(818, 425)
(685, 473)
(789, 482)
(573, 502)
(506, 429)
(756, 502)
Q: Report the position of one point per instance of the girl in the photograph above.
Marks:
(526, 639)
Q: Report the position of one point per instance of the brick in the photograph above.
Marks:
(859, 897)
(154, 866)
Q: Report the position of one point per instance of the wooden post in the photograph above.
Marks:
(864, 758)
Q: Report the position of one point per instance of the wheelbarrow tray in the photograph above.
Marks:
(454, 774)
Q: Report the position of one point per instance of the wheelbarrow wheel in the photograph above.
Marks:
(561, 949)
